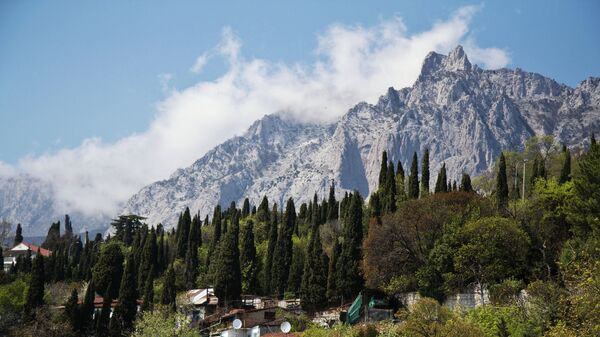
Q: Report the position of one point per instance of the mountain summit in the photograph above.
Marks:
(465, 115)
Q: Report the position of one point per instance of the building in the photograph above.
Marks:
(11, 255)
(200, 303)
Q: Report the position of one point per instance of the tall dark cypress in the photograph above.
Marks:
(161, 259)
(148, 259)
(314, 279)
(502, 185)
(465, 183)
(183, 232)
(103, 320)
(333, 204)
(18, 235)
(332, 292)
(35, 293)
(86, 310)
(246, 208)
(425, 173)
(191, 256)
(169, 292)
(383, 170)
(389, 190)
(440, 183)
(413, 178)
(128, 294)
(349, 278)
(148, 302)
(72, 311)
(216, 222)
(565, 172)
(248, 260)
(262, 213)
(400, 182)
(593, 140)
(270, 252)
(296, 270)
(228, 276)
(282, 258)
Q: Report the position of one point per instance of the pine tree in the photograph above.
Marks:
(400, 183)
(148, 303)
(425, 174)
(262, 213)
(191, 257)
(332, 292)
(413, 179)
(128, 294)
(284, 250)
(169, 292)
(333, 204)
(228, 278)
(314, 278)
(270, 252)
(296, 270)
(440, 183)
(593, 140)
(216, 222)
(248, 260)
(183, 230)
(246, 208)
(383, 170)
(375, 205)
(107, 272)
(148, 259)
(502, 186)
(72, 311)
(565, 172)
(103, 321)
(465, 183)
(349, 279)
(68, 227)
(35, 292)
(161, 258)
(18, 235)
(389, 190)
(86, 310)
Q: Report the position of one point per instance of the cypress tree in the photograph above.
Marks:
(333, 204)
(103, 320)
(86, 310)
(314, 278)
(169, 292)
(465, 183)
(413, 179)
(183, 231)
(383, 170)
(349, 279)
(107, 272)
(400, 185)
(148, 259)
(262, 213)
(228, 283)
(128, 294)
(593, 140)
(68, 227)
(35, 293)
(296, 270)
(71, 310)
(375, 205)
(191, 257)
(502, 186)
(454, 188)
(389, 202)
(440, 183)
(565, 172)
(216, 222)
(282, 258)
(246, 208)
(248, 260)
(161, 261)
(18, 235)
(425, 174)
(270, 252)
(148, 303)
(332, 292)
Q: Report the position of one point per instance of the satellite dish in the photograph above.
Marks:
(237, 323)
(285, 327)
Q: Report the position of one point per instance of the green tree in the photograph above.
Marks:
(565, 172)
(413, 178)
(383, 169)
(148, 259)
(72, 311)
(35, 293)
(349, 279)
(18, 235)
(246, 208)
(282, 259)
(248, 260)
(160, 324)
(169, 293)
(191, 256)
(440, 183)
(128, 294)
(502, 186)
(148, 303)
(465, 183)
(228, 278)
(313, 292)
(425, 173)
(270, 252)
(86, 310)
(183, 230)
(107, 272)
(333, 204)
(586, 212)
(332, 292)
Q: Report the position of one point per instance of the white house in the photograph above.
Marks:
(11, 255)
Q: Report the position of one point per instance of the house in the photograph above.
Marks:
(99, 302)
(21, 249)
(201, 303)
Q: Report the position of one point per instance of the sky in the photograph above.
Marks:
(101, 98)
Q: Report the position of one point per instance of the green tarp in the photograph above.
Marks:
(354, 310)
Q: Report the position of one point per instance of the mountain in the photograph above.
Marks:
(465, 116)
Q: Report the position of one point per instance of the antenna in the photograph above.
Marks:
(237, 323)
(285, 327)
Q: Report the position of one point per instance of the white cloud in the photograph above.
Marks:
(352, 64)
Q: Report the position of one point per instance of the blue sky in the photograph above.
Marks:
(70, 70)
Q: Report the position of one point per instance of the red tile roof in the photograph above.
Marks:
(281, 334)
(36, 249)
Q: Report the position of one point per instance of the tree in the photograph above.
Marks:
(53, 236)
(191, 257)
(246, 208)
(103, 320)
(148, 259)
(493, 249)
(333, 204)
(296, 269)
(107, 272)
(383, 170)
(586, 208)
(332, 292)
(169, 292)
(228, 278)
(282, 259)
(148, 303)
(72, 311)
(18, 235)
(465, 183)
(183, 230)
(86, 310)
(271, 252)
(440, 183)
(565, 172)
(128, 294)
(313, 292)
(425, 173)
(159, 324)
(413, 178)
(35, 293)
(349, 279)
(400, 185)
(248, 260)
(502, 186)
(262, 213)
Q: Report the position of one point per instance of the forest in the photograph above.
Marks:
(526, 234)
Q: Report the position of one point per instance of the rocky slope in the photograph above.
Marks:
(463, 114)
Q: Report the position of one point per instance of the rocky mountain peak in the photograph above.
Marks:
(456, 60)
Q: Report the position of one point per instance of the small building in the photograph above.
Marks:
(201, 303)
(21, 249)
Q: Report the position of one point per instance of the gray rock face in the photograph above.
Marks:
(463, 114)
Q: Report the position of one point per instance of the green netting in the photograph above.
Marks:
(354, 310)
